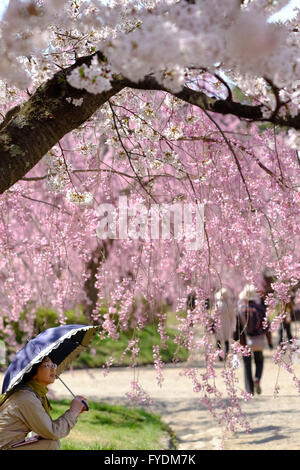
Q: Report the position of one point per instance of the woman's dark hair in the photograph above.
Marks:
(29, 375)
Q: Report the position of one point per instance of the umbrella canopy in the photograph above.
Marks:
(65, 343)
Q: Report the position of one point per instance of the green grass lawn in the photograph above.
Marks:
(102, 350)
(110, 427)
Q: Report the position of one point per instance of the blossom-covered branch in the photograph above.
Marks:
(29, 131)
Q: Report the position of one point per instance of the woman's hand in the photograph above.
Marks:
(77, 406)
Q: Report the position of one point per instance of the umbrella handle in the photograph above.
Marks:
(84, 402)
(86, 405)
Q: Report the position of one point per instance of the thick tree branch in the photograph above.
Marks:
(252, 113)
(28, 132)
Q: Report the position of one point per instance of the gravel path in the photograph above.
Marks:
(274, 421)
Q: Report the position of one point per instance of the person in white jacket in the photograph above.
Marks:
(224, 313)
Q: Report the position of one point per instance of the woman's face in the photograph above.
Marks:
(46, 372)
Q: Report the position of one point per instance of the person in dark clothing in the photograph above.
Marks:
(285, 326)
(190, 306)
(191, 301)
(250, 331)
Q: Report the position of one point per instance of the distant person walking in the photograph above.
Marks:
(224, 313)
(252, 330)
(285, 326)
(191, 301)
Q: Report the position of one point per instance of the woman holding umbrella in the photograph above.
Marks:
(26, 408)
